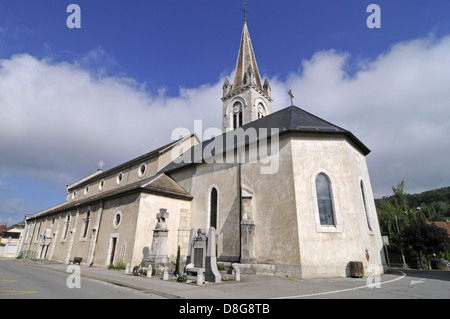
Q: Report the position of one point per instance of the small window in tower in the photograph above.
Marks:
(261, 111)
(237, 115)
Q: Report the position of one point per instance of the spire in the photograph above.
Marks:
(246, 68)
(246, 99)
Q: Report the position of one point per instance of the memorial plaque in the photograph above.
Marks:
(198, 257)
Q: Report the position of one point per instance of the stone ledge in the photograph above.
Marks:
(270, 269)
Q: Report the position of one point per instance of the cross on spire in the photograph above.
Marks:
(101, 164)
(245, 11)
(292, 97)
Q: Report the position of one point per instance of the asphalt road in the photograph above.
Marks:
(398, 284)
(22, 281)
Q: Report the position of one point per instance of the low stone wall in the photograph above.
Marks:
(293, 271)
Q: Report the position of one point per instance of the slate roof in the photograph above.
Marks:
(290, 119)
(295, 119)
(118, 168)
(445, 225)
(159, 184)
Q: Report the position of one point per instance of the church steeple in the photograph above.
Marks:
(248, 99)
(246, 67)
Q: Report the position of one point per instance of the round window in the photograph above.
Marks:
(101, 184)
(119, 178)
(117, 220)
(142, 170)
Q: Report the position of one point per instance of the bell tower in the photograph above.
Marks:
(247, 99)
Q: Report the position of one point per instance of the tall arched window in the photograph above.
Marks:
(86, 224)
(324, 200)
(369, 223)
(38, 231)
(213, 208)
(66, 226)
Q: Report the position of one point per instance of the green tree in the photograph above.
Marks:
(425, 239)
(399, 199)
(436, 240)
(394, 214)
(404, 218)
(177, 264)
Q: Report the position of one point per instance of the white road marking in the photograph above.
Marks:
(344, 290)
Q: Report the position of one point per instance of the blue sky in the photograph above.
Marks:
(135, 70)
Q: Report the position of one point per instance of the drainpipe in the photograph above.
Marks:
(240, 209)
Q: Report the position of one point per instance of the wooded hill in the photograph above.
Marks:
(405, 218)
(433, 204)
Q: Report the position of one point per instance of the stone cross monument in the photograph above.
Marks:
(159, 251)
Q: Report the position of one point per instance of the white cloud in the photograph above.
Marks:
(398, 105)
(13, 210)
(59, 119)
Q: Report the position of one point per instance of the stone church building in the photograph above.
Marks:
(288, 193)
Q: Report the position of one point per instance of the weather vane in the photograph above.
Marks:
(245, 11)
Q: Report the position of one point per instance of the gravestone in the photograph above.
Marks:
(202, 254)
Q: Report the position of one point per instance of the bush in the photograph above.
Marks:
(119, 266)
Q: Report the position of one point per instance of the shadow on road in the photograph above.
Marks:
(422, 273)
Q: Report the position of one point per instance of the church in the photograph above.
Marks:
(287, 193)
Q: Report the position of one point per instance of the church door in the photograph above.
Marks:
(113, 250)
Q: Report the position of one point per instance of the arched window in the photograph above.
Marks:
(237, 115)
(213, 208)
(369, 223)
(261, 111)
(38, 231)
(66, 226)
(86, 224)
(324, 200)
